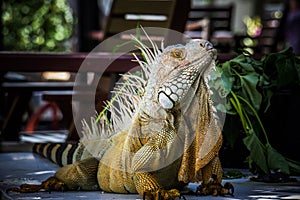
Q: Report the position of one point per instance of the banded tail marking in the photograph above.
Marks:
(61, 153)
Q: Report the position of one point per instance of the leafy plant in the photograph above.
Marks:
(249, 86)
(36, 25)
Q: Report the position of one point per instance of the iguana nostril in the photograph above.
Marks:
(208, 45)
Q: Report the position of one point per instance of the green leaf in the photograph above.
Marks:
(217, 87)
(218, 84)
(249, 91)
(221, 108)
(267, 99)
(286, 72)
(227, 76)
(294, 166)
(281, 68)
(257, 151)
(242, 64)
(231, 174)
(276, 161)
(227, 83)
(240, 76)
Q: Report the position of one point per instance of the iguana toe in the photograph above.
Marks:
(161, 194)
(227, 189)
(26, 188)
(215, 189)
(50, 184)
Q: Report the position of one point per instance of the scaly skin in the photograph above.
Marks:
(173, 138)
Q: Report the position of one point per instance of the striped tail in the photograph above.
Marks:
(62, 153)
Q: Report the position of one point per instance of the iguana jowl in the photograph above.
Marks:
(162, 137)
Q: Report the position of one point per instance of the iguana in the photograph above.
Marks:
(163, 133)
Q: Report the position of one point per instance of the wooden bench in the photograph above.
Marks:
(217, 18)
(41, 62)
(127, 15)
(272, 29)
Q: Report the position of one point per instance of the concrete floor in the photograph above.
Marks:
(25, 167)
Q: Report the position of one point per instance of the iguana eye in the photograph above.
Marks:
(177, 53)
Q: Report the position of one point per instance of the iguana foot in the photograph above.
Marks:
(161, 194)
(213, 187)
(50, 184)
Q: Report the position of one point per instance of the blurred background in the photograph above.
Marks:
(76, 27)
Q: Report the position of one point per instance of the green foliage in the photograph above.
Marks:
(36, 25)
(232, 174)
(241, 76)
(282, 69)
(276, 161)
(249, 86)
(257, 151)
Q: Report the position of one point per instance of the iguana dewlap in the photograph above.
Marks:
(163, 132)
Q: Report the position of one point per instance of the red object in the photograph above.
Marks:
(35, 118)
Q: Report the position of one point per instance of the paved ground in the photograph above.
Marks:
(18, 168)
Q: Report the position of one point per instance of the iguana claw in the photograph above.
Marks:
(162, 194)
(215, 188)
(50, 184)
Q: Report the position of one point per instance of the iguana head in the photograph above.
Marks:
(177, 69)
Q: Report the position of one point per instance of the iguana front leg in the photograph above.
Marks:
(212, 178)
(212, 169)
(147, 160)
(149, 188)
